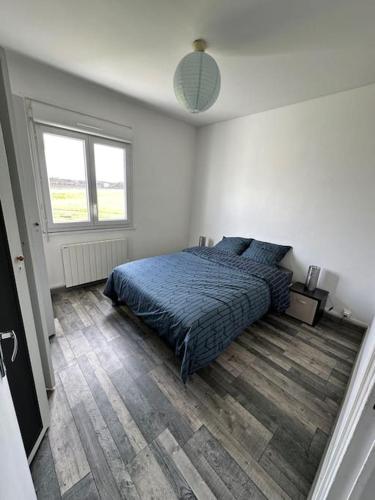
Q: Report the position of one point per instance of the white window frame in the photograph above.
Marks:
(89, 141)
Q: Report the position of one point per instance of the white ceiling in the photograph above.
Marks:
(270, 52)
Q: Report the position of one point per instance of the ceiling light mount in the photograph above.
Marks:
(199, 45)
(197, 79)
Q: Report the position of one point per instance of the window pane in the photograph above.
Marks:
(110, 181)
(66, 170)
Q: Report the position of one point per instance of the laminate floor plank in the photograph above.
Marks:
(288, 404)
(294, 454)
(102, 474)
(325, 347)
(172, 449)
(281, 478)
(218, 379)
(267, 350)
(295, 372)
(111, 418)
(224, 435)
(332, 334)
(298, 346)
(245, 428)
(166, 411)
(314, 383)
(178, 395)
(85, 489)
(81, 312)
(270, 414)
(353, 332)
(283, 473)
(44, 474)
(150, 421)
(286, 327)
(212, 479)
(135, 360)
(78, 343)
(67, 351)
(248, 360)
(252, 424)
(230, 472)
(57, 355)
(176, 480)
(58, 328)
(149, 477)
(70, 321)
(69, 457)
(78, 393)
(313, 360)
(133, 432)
(94, 337)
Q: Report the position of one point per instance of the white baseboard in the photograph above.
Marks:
(353, 321)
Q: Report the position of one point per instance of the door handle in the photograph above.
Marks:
(4, 336)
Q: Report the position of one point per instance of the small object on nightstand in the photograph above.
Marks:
(202, 241)
(312, 278)
(305, 305)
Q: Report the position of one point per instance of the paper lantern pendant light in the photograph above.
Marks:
(197, 79)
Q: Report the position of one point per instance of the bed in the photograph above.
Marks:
(200, 299)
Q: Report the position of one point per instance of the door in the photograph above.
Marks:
(14, 125)
(25, 375)
(15, 477)
(19, 372)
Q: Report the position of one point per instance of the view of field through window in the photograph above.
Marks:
(67, 178)
(110, 181)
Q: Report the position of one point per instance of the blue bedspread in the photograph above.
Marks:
(199, 299)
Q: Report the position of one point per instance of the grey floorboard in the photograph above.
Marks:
(166, 412)
(174, 476)
(229, 471)
(44, 474)
(294, 454)
(85, 489)
(150, 422)
(111, 419)
(102, 475)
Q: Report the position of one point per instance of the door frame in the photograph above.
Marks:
(333, 467)
(31, 233)
(15, 247)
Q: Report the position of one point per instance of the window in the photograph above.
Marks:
(85, 179)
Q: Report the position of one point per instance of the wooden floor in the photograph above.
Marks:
(252, 425)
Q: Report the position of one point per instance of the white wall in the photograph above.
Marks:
(302, 175)
(163, 154)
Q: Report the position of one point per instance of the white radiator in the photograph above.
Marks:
(92, 261)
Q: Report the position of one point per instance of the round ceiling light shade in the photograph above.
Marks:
(197, 79)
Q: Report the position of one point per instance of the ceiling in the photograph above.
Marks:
(270, 52)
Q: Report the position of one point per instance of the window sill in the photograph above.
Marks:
(114, 227)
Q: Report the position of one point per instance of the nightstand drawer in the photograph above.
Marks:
(302, 307)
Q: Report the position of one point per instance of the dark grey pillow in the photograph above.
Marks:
(233, 244)
(266, 253)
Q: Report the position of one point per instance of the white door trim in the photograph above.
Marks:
(33, 241)
(359, 389)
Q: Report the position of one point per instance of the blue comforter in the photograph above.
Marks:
(199, 300)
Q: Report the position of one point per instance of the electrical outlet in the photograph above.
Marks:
(346, 313)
